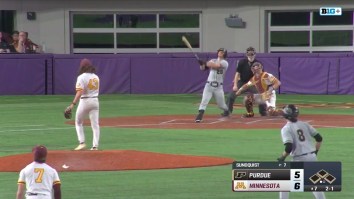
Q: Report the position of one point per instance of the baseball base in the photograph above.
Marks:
(65, 166)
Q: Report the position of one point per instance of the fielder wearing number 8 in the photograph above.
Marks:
(87, 91)
(297, 138)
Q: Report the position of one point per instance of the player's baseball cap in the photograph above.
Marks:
(85, 62)
(39, 153)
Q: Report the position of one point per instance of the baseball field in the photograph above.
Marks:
(30, 120)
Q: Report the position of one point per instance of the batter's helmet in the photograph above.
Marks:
(39, 153)
(290, 112)
(224, 51)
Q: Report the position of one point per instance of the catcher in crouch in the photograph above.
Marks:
(266, 84)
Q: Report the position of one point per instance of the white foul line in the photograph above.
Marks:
(270, 119)
(20, 126)
(131, 125)
(324, 126)
(217, 121)
(21, 130)
(255, 121)
(167, 122)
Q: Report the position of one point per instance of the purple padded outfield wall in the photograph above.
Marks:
(24, 74)
(170, 73)
(114, 73)
(308, 80)
(166, 75)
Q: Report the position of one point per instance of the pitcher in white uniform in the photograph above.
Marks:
(214, 84)
(297, 138)
(40, 180)
(87, 91)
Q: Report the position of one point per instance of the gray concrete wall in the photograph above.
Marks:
(52, 24)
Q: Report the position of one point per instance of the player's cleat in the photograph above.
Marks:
(94, 148)
(225, 114)
(80, 147)
(248, 115)
(199, 117)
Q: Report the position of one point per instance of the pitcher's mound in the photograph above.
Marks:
(111, 160)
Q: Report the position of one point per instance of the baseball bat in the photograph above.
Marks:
(186, 42)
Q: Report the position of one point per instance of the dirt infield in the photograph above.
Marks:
(111, 160)
(217, 122)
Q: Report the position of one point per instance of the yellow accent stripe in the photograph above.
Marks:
(56, 182)
(79, 89)
(21, 182)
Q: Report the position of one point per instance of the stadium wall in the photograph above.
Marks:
(47, 74)
(52, 25)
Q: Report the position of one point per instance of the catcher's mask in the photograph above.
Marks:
(251, 54)
(257, 67)
(224, 51)
(250, 51)
(290, 112)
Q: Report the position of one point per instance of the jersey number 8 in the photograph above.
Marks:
(300, 134)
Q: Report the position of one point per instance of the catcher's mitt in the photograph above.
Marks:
(68, 113)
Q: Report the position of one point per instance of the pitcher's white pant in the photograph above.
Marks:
(88, 106)
(305, 158)
(218, 93)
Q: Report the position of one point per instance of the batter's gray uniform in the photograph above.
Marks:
(300, 134)
(214, 86)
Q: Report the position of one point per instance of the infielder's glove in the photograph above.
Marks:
(67, 113)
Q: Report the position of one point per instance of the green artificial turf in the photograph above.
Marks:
(30, 120)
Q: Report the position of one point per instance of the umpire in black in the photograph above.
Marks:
(242, 76)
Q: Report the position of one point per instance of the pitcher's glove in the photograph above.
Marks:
(68, 113)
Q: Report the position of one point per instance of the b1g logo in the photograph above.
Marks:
(330, 11)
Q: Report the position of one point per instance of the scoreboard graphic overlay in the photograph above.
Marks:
(286, 176)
